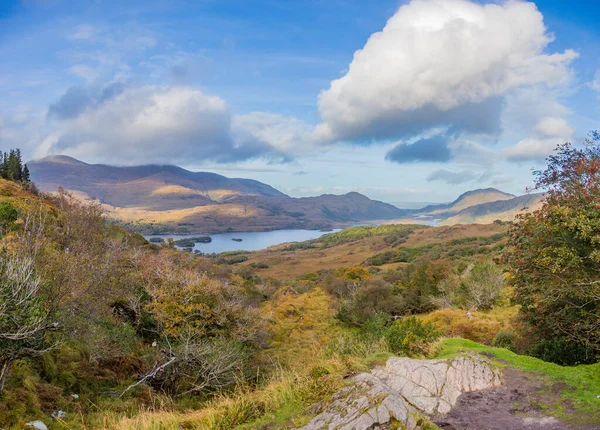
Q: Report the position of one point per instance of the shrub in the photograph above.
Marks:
(259, 265)
(8, 216)
(483, 285)
(235, 259)
(504, 339)
(410, 336)
(369, 299)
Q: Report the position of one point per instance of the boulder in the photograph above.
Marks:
(39, 425)
(405, 392)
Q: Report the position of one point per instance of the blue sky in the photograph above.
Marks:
(309, 96)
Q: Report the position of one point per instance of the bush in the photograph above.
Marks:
(410, 336)
(482, 286)
(8, 216)
(369, 299)
(235, 259)
(504, 339)
(259, 265)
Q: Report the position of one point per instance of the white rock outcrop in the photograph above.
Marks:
(405, 391)
(38, 425)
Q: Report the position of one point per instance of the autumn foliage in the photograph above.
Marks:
(554, 257)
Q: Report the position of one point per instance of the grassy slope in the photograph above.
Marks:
(353, 246)
(584, 380)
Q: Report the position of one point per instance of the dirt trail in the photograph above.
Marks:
(512, 406)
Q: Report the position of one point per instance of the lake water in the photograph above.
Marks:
(251, 241)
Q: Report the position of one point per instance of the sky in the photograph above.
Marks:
(403, 101)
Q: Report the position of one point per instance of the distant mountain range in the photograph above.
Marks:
(467, 200)
(503, 210)
(155, 199)
(168, 198)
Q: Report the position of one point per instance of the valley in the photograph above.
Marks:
(157, 199)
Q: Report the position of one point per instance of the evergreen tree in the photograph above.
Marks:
(4, 168)
(26, 176)
(18, 165)
(12, 168)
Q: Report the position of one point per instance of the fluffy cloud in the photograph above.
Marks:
(448, 63)
(548, 133)
(453, 178)
(77, 99)
(287, 134)
(157, 124)
(433, 149)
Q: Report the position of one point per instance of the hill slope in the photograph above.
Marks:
(503, 210)
(171, 199)
(154, 187)
(466, 200)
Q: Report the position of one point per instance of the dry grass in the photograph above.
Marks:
(482, 327)
(287, 264)
(300, 325)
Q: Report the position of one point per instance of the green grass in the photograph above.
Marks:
(584, 380)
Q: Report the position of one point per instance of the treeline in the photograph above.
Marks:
(12, 167)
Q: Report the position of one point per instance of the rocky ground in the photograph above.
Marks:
(514, 405)
(464, 393)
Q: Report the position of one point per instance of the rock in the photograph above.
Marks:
(404, 391)
(39, 425)
(57, 415)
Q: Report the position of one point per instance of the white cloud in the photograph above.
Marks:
(441, 63)
(288, 134)
(547, 135)
(82, 32)
(453, 178)
(158, 124)
(83, 71)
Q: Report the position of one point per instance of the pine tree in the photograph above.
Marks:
(26, 177)
(5, 165)
(18, 165)
(12, 168)
(2, 166)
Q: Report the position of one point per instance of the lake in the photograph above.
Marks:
(251, 241)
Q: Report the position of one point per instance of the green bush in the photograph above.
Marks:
(235, 259)
(410, 336)
(504, 339)
(369, 299)
(8, 216)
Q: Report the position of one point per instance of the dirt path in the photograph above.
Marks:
(514, 406)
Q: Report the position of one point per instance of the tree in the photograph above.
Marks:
(12, 168)
(26, 175)
(554, 257)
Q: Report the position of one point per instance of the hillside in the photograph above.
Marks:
(278, 331)
(153, 187)
(171, 199)
(466, 200)
(502, 210)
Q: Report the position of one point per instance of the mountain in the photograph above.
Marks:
(466, 200)
(168, 198)
(503, 210)
(154, 187)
